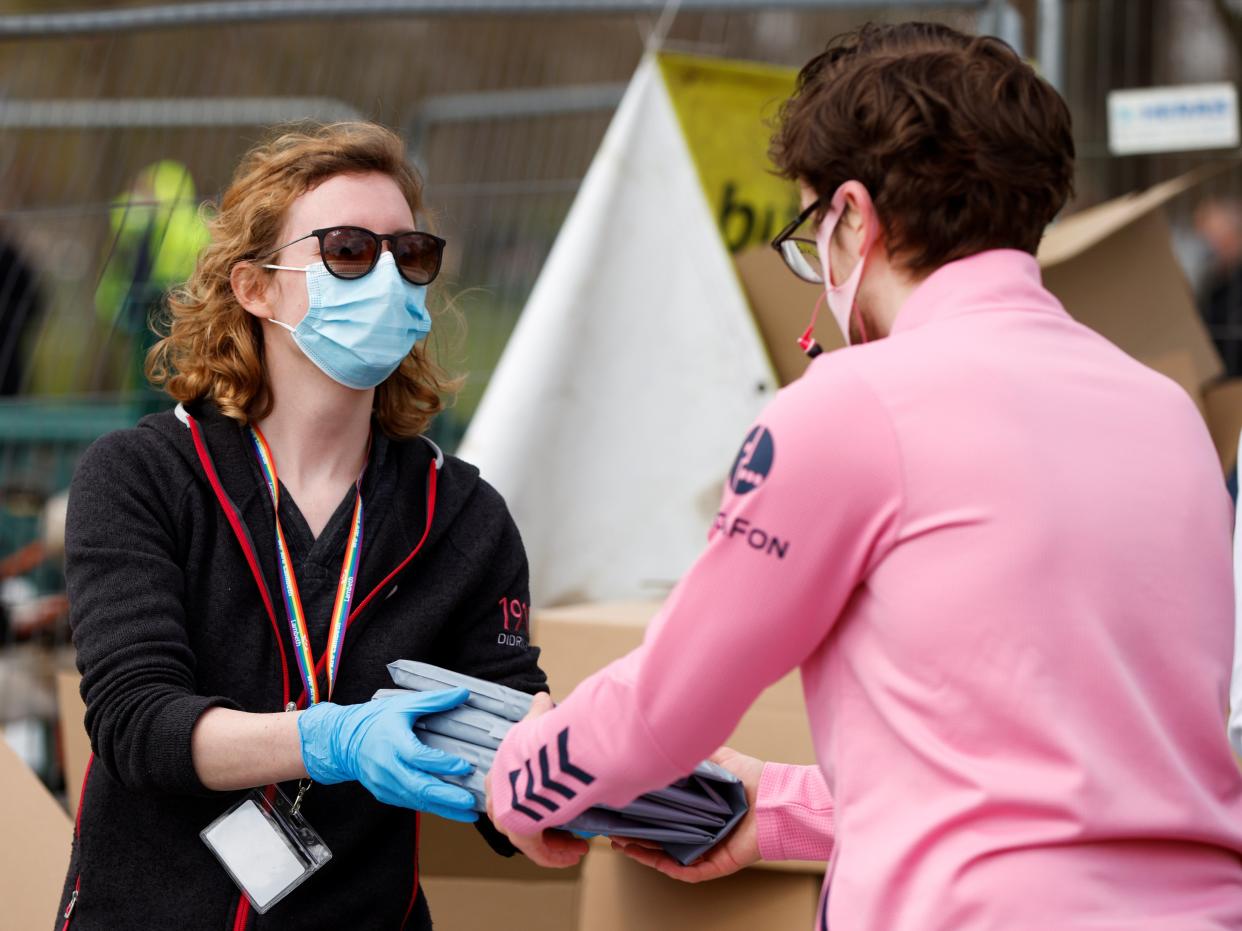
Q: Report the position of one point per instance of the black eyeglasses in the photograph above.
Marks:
(350, 252)
(800, 254)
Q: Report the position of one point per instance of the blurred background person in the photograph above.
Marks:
(156, 235)
(20, 308)
(1218, 221)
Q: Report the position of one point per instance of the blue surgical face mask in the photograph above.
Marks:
(358, 331)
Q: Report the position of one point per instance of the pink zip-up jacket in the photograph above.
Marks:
(998, 548)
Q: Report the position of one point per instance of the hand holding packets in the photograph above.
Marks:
(738, 850)
(686, 819)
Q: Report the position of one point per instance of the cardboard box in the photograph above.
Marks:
(75, 744)
(1223, 402)
(470, 903)
(470, 887)
(1179, 366)
(621, 895)
(449, 849)
(1113, 267)
(577, 640)
(608, 893)
(37, 837)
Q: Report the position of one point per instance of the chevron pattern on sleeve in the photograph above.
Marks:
(537, 788)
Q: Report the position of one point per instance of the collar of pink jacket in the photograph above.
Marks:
(987, 282)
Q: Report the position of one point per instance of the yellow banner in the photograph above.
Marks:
(727, 110)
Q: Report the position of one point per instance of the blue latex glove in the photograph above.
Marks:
(373, 743)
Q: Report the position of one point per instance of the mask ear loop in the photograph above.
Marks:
(862, 327)
(869, 241)
(807, 340)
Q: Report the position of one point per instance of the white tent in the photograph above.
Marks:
(626, 388)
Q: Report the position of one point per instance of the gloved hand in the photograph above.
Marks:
(373, 743)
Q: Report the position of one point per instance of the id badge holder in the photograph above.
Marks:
(267, 848)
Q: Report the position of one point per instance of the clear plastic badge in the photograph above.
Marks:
(267, 848)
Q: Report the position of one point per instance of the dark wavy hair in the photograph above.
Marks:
(962, 146)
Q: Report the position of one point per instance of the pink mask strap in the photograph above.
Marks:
(862, 327)
(869, 239)
(807, 340)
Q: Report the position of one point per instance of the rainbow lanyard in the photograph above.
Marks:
(289, 583)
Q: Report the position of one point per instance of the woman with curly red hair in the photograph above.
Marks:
(242, 569)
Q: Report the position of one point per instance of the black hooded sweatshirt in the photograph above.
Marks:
(168, 622)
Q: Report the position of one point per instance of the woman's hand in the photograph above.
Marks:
(373, 743)
(736, 852)
(553, 849)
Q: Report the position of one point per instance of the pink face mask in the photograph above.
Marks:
(843, 297)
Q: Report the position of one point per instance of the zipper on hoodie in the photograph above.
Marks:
(73, 901)
(77, 838)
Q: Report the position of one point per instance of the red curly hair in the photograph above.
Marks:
(213, 348)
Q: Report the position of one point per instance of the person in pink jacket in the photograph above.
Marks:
(997, 547)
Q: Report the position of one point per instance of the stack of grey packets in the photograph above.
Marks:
(687, 818)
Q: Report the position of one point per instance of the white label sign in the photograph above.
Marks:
(1173, 119)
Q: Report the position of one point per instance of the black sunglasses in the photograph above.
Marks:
(350, 252)
(801, 255)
